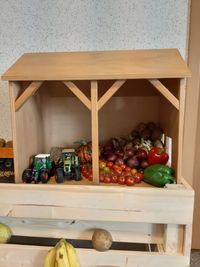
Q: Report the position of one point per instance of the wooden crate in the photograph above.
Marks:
(44, 114)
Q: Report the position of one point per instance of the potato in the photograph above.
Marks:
(9, 144)
(101, 240)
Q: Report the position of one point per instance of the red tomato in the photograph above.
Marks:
(118, 170)
(130, 181)
(107, 179)
(110, 164)
(122, 166)
(127, 170)
(84, 172)
(138, 177)
(115, 167)
(90, 177)
(101, 178)
(84, 168)
(121, 179)
(133, 172)
(114, 179)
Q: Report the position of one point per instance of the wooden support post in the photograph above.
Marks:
(14, 88)
(30, 90)
(182, 93)
(95, 131)
(165, 92)
(173, 238)
(187, 240)
(78, 93)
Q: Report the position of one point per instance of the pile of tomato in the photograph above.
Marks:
(112, 173)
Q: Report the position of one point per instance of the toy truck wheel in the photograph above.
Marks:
(77, 175)
(59, 177)
(27, 176)
(44, 177)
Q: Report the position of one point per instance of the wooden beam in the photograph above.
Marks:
(30, 90)
(165, 92)
(95, 131)
(182, 93)
(78, 93)
(110, 92)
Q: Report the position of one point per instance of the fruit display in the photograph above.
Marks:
(62, 255)
(5, 233)
(124, 160)
(101, 240)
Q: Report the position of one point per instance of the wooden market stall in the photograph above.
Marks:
(114, 91)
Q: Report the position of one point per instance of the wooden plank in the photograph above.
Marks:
(173, 238)
(32, 88)
(109, 93)
(95, 131)
(33, 256)
(78, 93)
(182, 93)
(165, 92)
(6, 152)
(102, 203)
(129, 64)
(83, 230)
(187, 240)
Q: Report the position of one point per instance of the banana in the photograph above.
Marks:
(50, 258)
(61, 255)
(72, 256)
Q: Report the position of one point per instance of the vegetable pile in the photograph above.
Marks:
(124, 160)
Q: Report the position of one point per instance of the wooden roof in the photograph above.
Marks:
(101, 65)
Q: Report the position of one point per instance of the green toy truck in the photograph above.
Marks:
(70, 167)
(41, 170)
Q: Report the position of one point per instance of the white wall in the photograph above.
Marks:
(65, 25)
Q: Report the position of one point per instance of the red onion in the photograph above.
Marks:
(111, 157)
(133, 162)
(119, 161)
(141, 154)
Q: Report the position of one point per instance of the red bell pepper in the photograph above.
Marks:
(157, 155)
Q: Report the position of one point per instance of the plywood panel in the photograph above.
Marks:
(27, 130)
(130, 64)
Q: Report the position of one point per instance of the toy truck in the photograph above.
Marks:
(41, 170)
(70, 167)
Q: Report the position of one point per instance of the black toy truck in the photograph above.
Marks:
(69, 169)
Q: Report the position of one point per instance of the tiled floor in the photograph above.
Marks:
(195, 258)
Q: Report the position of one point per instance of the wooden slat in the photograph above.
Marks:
(165, 92)
(100, 203)
(110, 92)
(79, 229)
(101, 65)
(95, 131)
(33, 256)
(32, 88)
(78, 93)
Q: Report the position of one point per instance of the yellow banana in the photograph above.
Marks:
(61, 255)
(50, 258)
(72, 255)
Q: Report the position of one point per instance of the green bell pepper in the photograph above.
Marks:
(159, 175)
